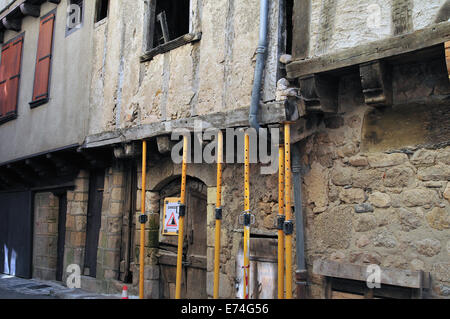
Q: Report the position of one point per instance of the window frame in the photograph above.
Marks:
(151, 20)
(98, 6)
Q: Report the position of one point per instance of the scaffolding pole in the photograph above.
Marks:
(182, 214)
(288, 225)
(247, 218)
(143, 220)
(280, 222)
(218, 215)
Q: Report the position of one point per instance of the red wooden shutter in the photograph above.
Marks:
(43, 59)
(12, 86)
(4, 77)
(10, 77)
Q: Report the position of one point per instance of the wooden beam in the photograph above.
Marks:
(173, 44)
(320, 93)
(393, 277)
(376, 82)
(12, 24)
(271, 113)
(301, 29)
(30, 10)
(447, 57)
(40, 168)
(62, 164)
(26, 175)
(393, 46)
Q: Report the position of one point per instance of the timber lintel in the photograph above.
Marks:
(376, 81)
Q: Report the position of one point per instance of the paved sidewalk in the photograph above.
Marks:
(18, 288)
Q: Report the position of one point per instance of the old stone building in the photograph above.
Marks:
(364, 85)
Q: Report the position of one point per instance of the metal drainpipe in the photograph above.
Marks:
(260, 64)
(301, 274)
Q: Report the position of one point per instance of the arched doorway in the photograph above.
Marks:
(195, 244)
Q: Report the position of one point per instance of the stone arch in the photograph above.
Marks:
(164, 173)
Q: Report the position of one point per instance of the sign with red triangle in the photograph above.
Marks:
(172, 221)
(171, 217)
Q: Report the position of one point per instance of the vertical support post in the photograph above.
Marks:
(288, 225)
(218, 215)
(280, 224)
(143, 220)
(182, 215)
(247, 218)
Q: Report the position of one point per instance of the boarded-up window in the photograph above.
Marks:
(10, 78)
(43, 61)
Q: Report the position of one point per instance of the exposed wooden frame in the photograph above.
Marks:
(351, 277)
(271, 113)
(376, 82)
(393, 46)
(447, 57)
(171, 45)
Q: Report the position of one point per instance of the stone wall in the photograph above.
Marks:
(76, 220)
(45, 239)
(385, 205)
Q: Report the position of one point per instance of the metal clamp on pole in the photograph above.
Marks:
(281, 219)
(247, 219)
(288, 227)
(182, 210)
(219, 215)
(143, 219)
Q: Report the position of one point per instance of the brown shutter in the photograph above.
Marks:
(12, 86)
(43, 60)
(4, 77)
(10, 77)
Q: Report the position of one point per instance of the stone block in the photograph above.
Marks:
(424, 157)
(380, 200)
(151, 289)
(352, 196)
(428, 247)
(438, 172)
(334, 227)
(409, 220)
(151, 272)
(364, 223)
(439, 218)
(419, 197)
(380, 160)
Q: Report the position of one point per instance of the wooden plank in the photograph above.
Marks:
(301, 29)
(394, 277)
(345, 295)
(447, 57)
(171, 45)
(269, 114)
(381, 49)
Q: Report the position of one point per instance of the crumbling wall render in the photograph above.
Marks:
(212, 75)
(337, 25)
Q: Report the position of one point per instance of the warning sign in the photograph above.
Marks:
(171, 216)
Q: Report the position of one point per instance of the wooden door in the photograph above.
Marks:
(94, 218)
(16, 233)
(195, 244)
